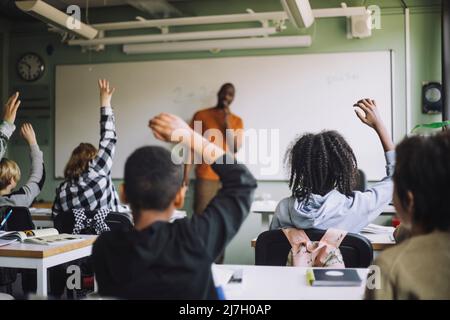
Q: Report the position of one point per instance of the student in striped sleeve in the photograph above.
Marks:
(7, 126)
(87, 181)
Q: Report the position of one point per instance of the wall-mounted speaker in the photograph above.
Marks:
(431, 97)
(361, 26)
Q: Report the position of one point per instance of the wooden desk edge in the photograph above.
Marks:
(41, 217)
(51, 251)
(382, 246)
(42, 205)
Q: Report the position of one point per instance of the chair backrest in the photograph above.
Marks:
(19, 220)
(361, 181)
(65, 221)
(119, 221)
(272, 248)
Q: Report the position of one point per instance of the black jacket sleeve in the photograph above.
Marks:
(224, 215)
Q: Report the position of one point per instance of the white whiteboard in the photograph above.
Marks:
(290, 93)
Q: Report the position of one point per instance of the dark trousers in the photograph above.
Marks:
(57, 276)
(205, 191)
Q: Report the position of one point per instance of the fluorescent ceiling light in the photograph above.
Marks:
(42, 11)
(339, 12)
(158, 23)
(302, 16)
(218, 45)
(299, 12)
(198, 35)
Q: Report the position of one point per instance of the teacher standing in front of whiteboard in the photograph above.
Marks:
(230, 125)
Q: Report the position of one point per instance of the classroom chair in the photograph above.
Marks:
(361, 181)
(65, 222)
(272, 248)
(7, 277)
(19, 220)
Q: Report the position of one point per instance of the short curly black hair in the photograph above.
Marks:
(423, 168)
(320, 163)
(151, 179)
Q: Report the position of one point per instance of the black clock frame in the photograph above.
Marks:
(39, 57)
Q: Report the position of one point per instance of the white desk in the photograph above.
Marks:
(380, 241)
(42, 257)
(42, 217)
(286, 283)
(267, 208)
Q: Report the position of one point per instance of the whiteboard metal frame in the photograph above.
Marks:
(392, 91)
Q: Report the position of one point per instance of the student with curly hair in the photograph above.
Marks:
(323, 176)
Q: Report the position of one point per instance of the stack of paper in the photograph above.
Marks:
(377, 229)
(6, 242)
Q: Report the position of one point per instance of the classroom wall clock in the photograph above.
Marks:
(30, 67)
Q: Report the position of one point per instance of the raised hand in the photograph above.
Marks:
(367, 112)
(105, 93)
(170, 128)
(28, 134)
(10, 108)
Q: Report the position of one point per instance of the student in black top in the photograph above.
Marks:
(162, 260)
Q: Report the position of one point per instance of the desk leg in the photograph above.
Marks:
(95, 284)
(264, 222)
(41, 281)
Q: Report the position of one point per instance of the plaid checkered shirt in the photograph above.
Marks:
(94, 189)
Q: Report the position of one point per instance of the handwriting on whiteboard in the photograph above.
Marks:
(348, 76)
(198, 95)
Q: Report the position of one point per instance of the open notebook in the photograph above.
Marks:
(48, 236)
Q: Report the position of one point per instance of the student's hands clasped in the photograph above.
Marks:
(28, 134)
(105, 93)
(367, 112)
(10, 108)
(170, 128)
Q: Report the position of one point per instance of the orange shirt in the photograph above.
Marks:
(214, 118)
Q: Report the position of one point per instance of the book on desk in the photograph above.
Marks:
(48, 236)
(333, 278)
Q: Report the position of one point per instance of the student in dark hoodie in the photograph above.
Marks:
(163, 260)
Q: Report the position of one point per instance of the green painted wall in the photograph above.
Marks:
(329, 35)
